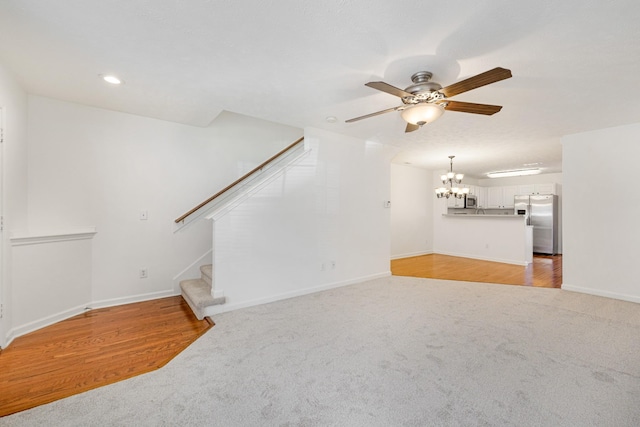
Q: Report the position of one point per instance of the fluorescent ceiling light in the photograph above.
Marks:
(109, 78)
(519, 172)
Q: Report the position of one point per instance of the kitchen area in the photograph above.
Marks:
(500, 223)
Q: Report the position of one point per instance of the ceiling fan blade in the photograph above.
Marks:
(411, 127)
(366, 116)
(469, 107)
(475, 82)
(385, 87)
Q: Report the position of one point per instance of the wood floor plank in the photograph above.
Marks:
(545, 271)
(94, 349)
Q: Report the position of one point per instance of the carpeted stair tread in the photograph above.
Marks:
(198, 292)
(207, 273)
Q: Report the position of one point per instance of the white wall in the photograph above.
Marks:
(13, 101)
(93, 167)
(51, 278)
(601, 231)
(502, 238)
(412, 201)
(327, 208)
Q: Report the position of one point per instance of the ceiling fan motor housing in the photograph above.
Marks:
(422, 89)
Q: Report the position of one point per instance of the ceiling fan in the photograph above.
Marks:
(425, 101)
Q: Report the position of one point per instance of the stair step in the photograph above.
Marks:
(207, 273)
(197, 293)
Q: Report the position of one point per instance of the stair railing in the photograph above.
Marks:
(237, 181)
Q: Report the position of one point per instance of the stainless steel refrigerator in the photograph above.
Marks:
(541, 211)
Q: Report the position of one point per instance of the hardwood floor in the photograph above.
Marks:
(94, 349)
(545, 271)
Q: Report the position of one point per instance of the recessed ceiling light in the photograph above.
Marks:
(331, 119)
(110, 78)
(519, 172)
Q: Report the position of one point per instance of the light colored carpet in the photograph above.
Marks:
(397, 351)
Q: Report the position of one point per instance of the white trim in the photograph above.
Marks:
(504, 261)
(410, 255)
(222, 308)
(66, 314)
(600, 293)
(134, 298)
(193, 270)
(46, 321)
(35, 238)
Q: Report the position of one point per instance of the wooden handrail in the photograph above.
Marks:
(237, 181)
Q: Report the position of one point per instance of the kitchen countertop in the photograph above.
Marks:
(483, 215)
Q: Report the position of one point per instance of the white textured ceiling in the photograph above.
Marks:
(575, 66)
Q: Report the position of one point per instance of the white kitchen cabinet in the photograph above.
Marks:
(494, 197)
(454, 202)
(545, 189)
(508, 194)
(501, 197)
(481, 195)
(527, 189)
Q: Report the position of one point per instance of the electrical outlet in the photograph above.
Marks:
(144, 215)
(144, 273)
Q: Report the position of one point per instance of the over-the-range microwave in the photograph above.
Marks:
(470, 201)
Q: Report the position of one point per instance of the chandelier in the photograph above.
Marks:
(452, 179)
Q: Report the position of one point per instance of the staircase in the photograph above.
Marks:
(197, 292)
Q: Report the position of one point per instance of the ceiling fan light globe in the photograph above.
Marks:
(423, 113)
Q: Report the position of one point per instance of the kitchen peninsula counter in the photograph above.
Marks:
(491, 237)
(461, 215)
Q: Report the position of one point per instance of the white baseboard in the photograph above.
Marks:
(217, 309)
(472, 256)
(131, 299)
(601, 293)
(409, 255)
(63, 315)
(44, 322)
